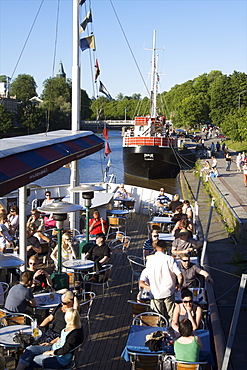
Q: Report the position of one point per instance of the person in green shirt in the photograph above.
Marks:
(188, 345)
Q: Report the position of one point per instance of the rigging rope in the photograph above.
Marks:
(25, 43)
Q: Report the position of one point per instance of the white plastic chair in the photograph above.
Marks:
(86, 301)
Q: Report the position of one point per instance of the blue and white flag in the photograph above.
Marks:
(87, 43)
(103, 90)
(86, 20)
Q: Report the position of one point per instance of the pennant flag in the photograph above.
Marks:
(105, 132)
(97, 71)
(81, 2)
(87, 19)
(104, 90)
(109, 164)
(107, 149)
(87, 42)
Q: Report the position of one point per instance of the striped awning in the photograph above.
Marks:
(25, 159)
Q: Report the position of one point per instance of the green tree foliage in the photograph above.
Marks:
(30, 116)
(5, 119)
(235, 124)
(3, 78)
(24, 87)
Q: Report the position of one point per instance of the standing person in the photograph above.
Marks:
(97, 225)
(228, 161)
(217, 146)
(188, 345)
(245, 174)
(21, 295)
(56, 354)
(13, 219)
(160, 276)
(214, 162)
(5, 238)
(239, 162)
(223, 147)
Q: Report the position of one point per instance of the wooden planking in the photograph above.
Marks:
(112, 318)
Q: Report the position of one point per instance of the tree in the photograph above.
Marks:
(120, 96)
(54, 88)
(24, 87)
(6, 119)
(30, 116)
(3, 78)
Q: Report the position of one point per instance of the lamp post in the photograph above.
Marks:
(59, 210)
(239, 97)
(87, 191)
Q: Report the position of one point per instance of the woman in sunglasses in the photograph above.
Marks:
(56, 318)
(67, 249)
(41, 279)
(186, 310)
(57, 353)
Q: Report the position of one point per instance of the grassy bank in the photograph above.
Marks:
(236, 145)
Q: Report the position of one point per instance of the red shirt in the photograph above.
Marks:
(97, 228)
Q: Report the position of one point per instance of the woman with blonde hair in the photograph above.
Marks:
(67, 249)
(56, 354)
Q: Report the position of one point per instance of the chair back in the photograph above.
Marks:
(150, 319)
(136, 263)
(15, 319)
(138, 307)
(4, 287)
(86, 301)
(182, 365)
(114, 221)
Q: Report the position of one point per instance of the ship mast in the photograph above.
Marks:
(153, 97)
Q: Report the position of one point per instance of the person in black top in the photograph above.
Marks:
(99, 253)
(175, 203)
(56, 354)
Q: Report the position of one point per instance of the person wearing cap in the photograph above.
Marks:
(160, 277)
(190, 272)
(99, 253)
(184, 244)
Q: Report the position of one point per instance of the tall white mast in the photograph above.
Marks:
(75, 118)
(153, 80)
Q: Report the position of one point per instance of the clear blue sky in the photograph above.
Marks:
(198, 36)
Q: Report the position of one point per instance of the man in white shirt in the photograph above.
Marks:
(160, 276)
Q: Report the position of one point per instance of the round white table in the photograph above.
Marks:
(47, 300)
(7, 333)
(78, 264)
(9, 260)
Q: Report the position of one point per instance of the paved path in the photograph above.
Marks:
(222, 252)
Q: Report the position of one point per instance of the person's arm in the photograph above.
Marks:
(143, 284)
(175, 318)
(32, 303)
(103, 225)
(43, 237)
(199, 341)
(46, 321)
(206, 275)
(180, 281)
(73, 339)
(92, 224)
(194, 317)
(104, 259)
(195, 243)
(43, 272)
(53, 254)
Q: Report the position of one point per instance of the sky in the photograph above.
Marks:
(195, 37)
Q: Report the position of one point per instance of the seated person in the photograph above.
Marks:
(20, 295)
(188, 345)
(182, 224)
(13, 219)
(184, 244)
(99, 253)
(41, 279)
(162, 199)
(190, 271)
(175, 203)
(67, 249)
(122, 192)
(186, 310)
(36, 219)
(42, 238)
(56, 318)
(177, 214)
(56, 354)
(33, 244)
(5, 238)
(187, 209)
(97, 225)
(149, 244)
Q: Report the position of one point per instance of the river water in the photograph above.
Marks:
(93, 166)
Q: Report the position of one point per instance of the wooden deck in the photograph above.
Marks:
(111, 317)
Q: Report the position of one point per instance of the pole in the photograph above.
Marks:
(22, 226)
(234, 322)
(206, 234)
(59, 225)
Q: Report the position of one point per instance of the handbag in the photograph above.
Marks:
(23, 339)
(157, 340)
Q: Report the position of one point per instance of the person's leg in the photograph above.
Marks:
(51, 363)
(170, 305)
(157, 305)
(30, 353)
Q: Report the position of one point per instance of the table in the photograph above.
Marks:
(163, 219)
(79, 264)
(47, 300)
(9, 260)
(167, 237)
(137, 336)
(125, 199)
(199, 295)
(118, 212)
(7, 333)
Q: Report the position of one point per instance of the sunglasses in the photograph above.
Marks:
(155, 236)
(12, 210)
(65, 303)
(187, 301)
(186, 260)
(32, 263)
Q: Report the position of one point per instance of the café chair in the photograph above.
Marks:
(116, 235)
(120, 245)
(72, 365)
(154, 226)
(86, 301)
(138, 307)
(182, 365)
(150, 319)
(137, 265)
(146, 361)
(104, 273)
(4, 287)
(116, 223)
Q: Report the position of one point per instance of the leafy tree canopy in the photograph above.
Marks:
(24, 87)
(6, 119)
